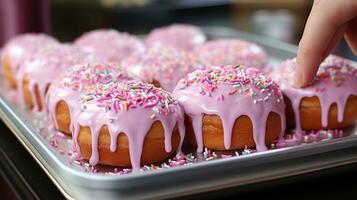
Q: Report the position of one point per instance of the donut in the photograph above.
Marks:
(162, 66)
(40, 69)
(231, 107)
(17, 49)
(178, 36)
(128, 123)
(222, 52)
(64, 93)
(329, 102)
(109, 45)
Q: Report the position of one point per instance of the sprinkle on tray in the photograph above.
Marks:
(292, 138)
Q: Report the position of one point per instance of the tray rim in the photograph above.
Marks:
(104, 177)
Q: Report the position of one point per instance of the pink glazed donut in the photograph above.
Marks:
(161, 66)
(177, 36)
(223, 52)
(231, 107)
(128, 124)
(329, 102)
(41, 69)
(18, 49)
(63, 96)
(108, 45)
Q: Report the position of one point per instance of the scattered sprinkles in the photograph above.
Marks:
(56, 57)
(161, 64)
(335, 71)
(242, 79)
(292, 138)
(118, 96)
(334, 68)
(130, 94)
(222, 52)
(63, 144)
(85, 75)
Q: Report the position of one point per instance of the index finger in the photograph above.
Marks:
(325, 19)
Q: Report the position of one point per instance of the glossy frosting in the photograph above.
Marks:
(45, 66)
(122, 107)
(221, 52)
(109, 45)
(164, 65)
(230, 92)
(70, 85)
(20, 47)
(335, 81)
(178, 36)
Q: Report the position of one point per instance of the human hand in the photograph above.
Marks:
(329, 21)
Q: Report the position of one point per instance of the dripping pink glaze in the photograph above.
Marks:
(20, 47)
(178, 36)
(45, 66)
(109, 45)
(131, 108)
(165, 65)
(223, 52)
(71, 84)
(335, 81)
(230, 92)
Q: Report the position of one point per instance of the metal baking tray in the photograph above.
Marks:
(78, 182)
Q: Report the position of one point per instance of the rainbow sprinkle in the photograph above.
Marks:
(222, 52)
(160, 63)
(242, 79)
(81, 76)
(292, 138)
(117, 97)
(334, 68)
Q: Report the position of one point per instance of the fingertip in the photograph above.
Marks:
(298, 78)
(303, 55)
(306, 70)
(308, 61)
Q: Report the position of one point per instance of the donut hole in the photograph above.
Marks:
(63, 117)
(27, 93)
(153, 147)
(310, 114)
(242, 133)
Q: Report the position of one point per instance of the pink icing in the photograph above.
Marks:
(71, 84)
(230, 92)
(162, 64)
(223, 52)
(45, 66)
(109, 45)
(20, 47)
(131, 108)
(335, 81)
(178, 36)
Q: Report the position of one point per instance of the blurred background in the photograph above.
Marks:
(67, 19)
